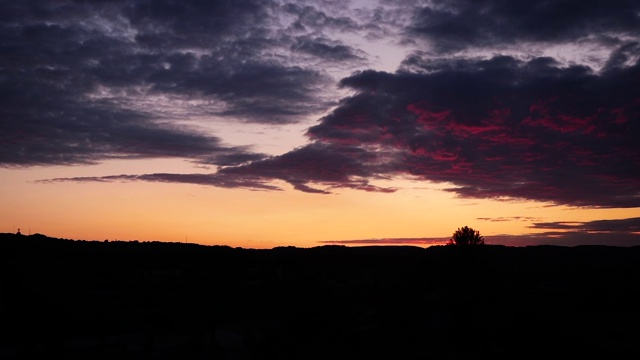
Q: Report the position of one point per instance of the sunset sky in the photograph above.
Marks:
(263, 123)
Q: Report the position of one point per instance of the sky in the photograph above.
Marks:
(265, 123)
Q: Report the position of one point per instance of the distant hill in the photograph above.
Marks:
(95, 299)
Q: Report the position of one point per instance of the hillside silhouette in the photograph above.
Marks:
(155, 300)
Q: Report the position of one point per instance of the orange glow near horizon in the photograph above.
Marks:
(258, 219)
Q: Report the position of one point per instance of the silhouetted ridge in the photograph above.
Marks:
(176, 300)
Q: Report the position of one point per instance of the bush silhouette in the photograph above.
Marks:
(466, 236)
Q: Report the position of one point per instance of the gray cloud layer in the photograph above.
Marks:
(84, 82)
(458, 24)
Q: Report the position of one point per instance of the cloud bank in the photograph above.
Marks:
(83, 82)
(477, 103)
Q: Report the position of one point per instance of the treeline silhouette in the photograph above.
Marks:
(154, 300)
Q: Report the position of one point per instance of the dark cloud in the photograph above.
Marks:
(502, 128)
(323, 165)
(459, 24)
(615, 225)
(315, 168)
(567, 238)
(615, 232)
(55, 128)
(306, 169)
(258, 92)
(246, 182)
(309, 17)
(45, 126)
(233, 157)
(325, 49)
(498, 128)
(196, 22)
(85, 81)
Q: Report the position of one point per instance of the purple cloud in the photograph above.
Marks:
(455, 25)
(75, 78)
(502, 128)
(615, 225)
(496, 128)
(325, 165)
(85, 82)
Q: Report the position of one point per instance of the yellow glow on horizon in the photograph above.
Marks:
(256, 219)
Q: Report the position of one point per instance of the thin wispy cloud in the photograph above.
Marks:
(617, 232)
(614, 225)
(390, 241)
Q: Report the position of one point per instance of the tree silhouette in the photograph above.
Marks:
(466, 236)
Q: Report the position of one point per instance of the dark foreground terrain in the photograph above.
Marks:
(128, 300)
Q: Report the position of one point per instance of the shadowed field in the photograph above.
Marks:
(153, 300)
